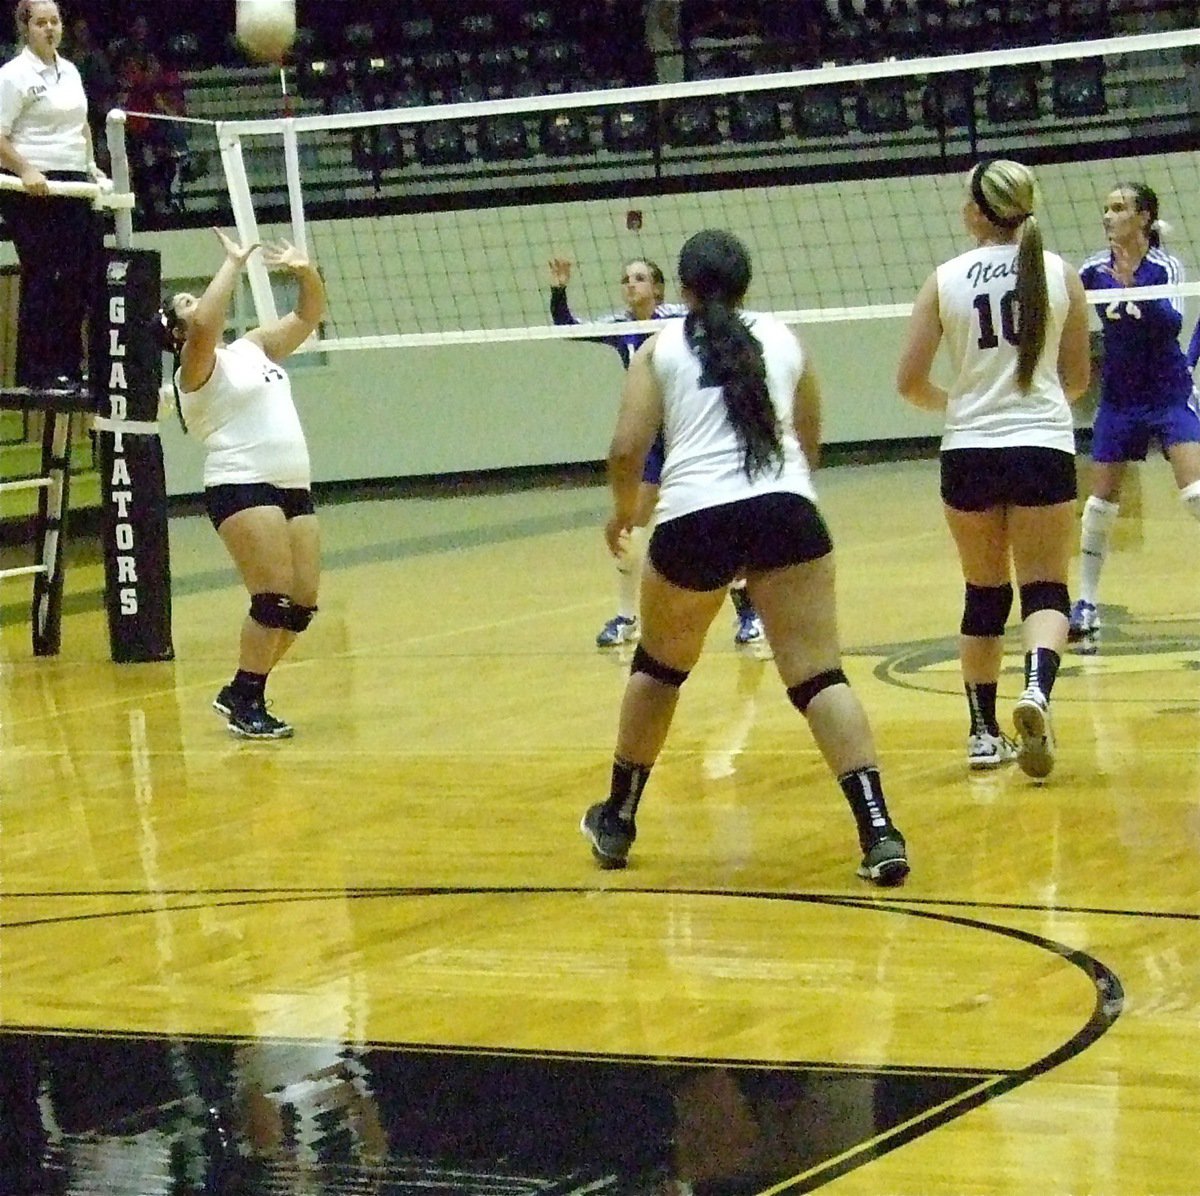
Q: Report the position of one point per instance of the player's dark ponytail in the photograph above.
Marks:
(714, 268)
(171, 332)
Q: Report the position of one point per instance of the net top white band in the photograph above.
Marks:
(798, 318)
(893, 68)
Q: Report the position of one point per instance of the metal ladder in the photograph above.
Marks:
(53, 501)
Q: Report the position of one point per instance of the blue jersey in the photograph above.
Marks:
(625, 343)
(1143, 363)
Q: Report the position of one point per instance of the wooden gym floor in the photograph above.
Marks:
(378, 957)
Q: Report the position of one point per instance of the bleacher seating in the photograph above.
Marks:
(478, 50)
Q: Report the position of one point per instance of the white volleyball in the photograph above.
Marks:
(266, 28)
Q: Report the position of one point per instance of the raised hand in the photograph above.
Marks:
(234, 251)
(283, 255)
(560, 271)
(1124, 264)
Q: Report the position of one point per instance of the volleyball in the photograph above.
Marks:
(266, 28)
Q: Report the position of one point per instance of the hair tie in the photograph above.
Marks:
(981, 200)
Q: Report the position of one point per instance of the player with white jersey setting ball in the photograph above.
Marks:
(237, 399)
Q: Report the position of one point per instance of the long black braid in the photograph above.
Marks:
(714, 267)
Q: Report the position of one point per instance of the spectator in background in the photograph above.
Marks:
(795, 32)
(99, 83)
(722, 39)
(664, 39)
(614, 43)
(157, 148)
(136, 48)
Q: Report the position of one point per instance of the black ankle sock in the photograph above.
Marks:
(741, 600)
(1041, 668)
(250, 685)
(864, 792)
(981, 700)
(628, 781)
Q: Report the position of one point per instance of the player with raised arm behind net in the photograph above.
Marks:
(643, 288)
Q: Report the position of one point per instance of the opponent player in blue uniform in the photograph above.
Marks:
(1146, 389)
(643, 287)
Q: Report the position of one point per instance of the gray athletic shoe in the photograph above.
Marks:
(610, 837)
(885, 862)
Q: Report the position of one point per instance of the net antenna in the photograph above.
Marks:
(843, 223)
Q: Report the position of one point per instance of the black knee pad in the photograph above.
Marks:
(643, 662)
(986, 609)
(801, 695)
(272, 610)
(299, 617)
(1045, 595)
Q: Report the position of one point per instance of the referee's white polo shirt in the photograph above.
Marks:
(43, 112)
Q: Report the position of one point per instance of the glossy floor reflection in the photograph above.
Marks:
(376, 958)
(158, 1116)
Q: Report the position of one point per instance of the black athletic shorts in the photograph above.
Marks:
(222, 501)
(977, 479)
(707, 549)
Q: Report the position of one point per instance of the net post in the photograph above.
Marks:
(126, 369)
(114, 136)
(291, 162)
(247, 224)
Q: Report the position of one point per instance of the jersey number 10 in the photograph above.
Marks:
(987, 322)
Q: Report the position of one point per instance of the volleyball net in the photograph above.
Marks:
(845, 182)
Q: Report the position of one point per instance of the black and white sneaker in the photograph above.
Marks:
(1035, 737)
(885, 861)
(248, 718)
(986, 751)
(610, 837)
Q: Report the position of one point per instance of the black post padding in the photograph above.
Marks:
(126, 370)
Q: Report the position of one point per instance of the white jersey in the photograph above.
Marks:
(247, 420)
(43, 112)
(703, 466)
(977, 307)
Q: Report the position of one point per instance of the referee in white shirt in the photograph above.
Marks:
(44, 137)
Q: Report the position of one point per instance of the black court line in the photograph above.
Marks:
(356, 891)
